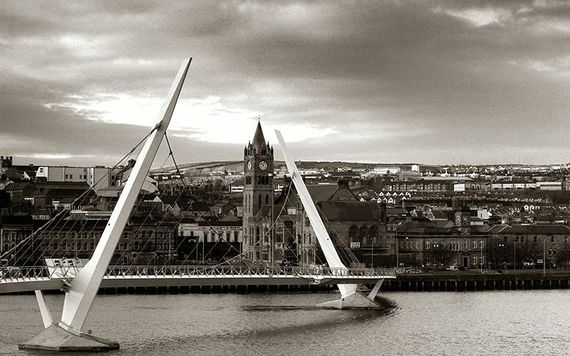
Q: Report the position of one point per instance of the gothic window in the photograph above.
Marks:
(266, 199)
(259, 201)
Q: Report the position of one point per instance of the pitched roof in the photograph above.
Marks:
(18, 186)
(350, 210)
(322, 192)
(554, 229)
(426, 228)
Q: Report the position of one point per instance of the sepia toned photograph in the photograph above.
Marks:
(253, 177)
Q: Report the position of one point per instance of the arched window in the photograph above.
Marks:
(373, 232)
(352, 231)
(363, 231)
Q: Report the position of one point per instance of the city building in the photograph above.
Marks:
(436, 245)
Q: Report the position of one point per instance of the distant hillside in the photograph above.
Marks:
(238, 165)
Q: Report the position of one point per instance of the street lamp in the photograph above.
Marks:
(544, 256)
(397, 253)
(481, 257)
(501, 244)
(514, 255)
(372, 240)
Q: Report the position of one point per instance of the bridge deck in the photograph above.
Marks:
(23, 279)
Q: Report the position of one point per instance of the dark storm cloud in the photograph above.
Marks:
(446, 81)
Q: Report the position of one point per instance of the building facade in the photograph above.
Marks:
(97, 177)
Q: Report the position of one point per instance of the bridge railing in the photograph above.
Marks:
(12, 274)
(24, 273)
(175, 270)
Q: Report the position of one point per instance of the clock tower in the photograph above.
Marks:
(257, 197)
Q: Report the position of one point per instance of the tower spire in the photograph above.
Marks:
(258, 138)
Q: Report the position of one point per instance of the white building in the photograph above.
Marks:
(97, 177)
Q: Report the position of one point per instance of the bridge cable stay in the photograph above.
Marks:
(171, 155)
(286, 247)
(219, 235)
(184, 187)
(63, 222)
(79, 234)
(271, 227)
(59, 217)
(340, 244)
(349, 294)
(23, 247)
(143, 247)
(344, 252)
(83, 288)
(135, 234)
(240, 254)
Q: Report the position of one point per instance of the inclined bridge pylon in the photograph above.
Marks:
(81, 283)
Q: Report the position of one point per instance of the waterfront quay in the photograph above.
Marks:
(476, 281)
(406, 282)
(444, 281)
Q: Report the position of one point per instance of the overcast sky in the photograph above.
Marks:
(377, 81)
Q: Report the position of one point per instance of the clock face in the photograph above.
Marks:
(249, 165)
(263, 165)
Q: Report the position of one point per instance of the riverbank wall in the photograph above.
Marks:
(432, 282)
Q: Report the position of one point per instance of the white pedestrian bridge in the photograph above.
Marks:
(24, 279)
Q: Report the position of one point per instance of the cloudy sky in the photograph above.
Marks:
(377, 81)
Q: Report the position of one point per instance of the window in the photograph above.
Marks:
(552, 239)
(353, 231)
(428, 245)
(362, 232)
(373, 232)
(535, 238)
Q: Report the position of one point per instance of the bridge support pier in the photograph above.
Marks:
(56, 338)
(355, 300)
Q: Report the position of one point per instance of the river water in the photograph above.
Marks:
(439, 323)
